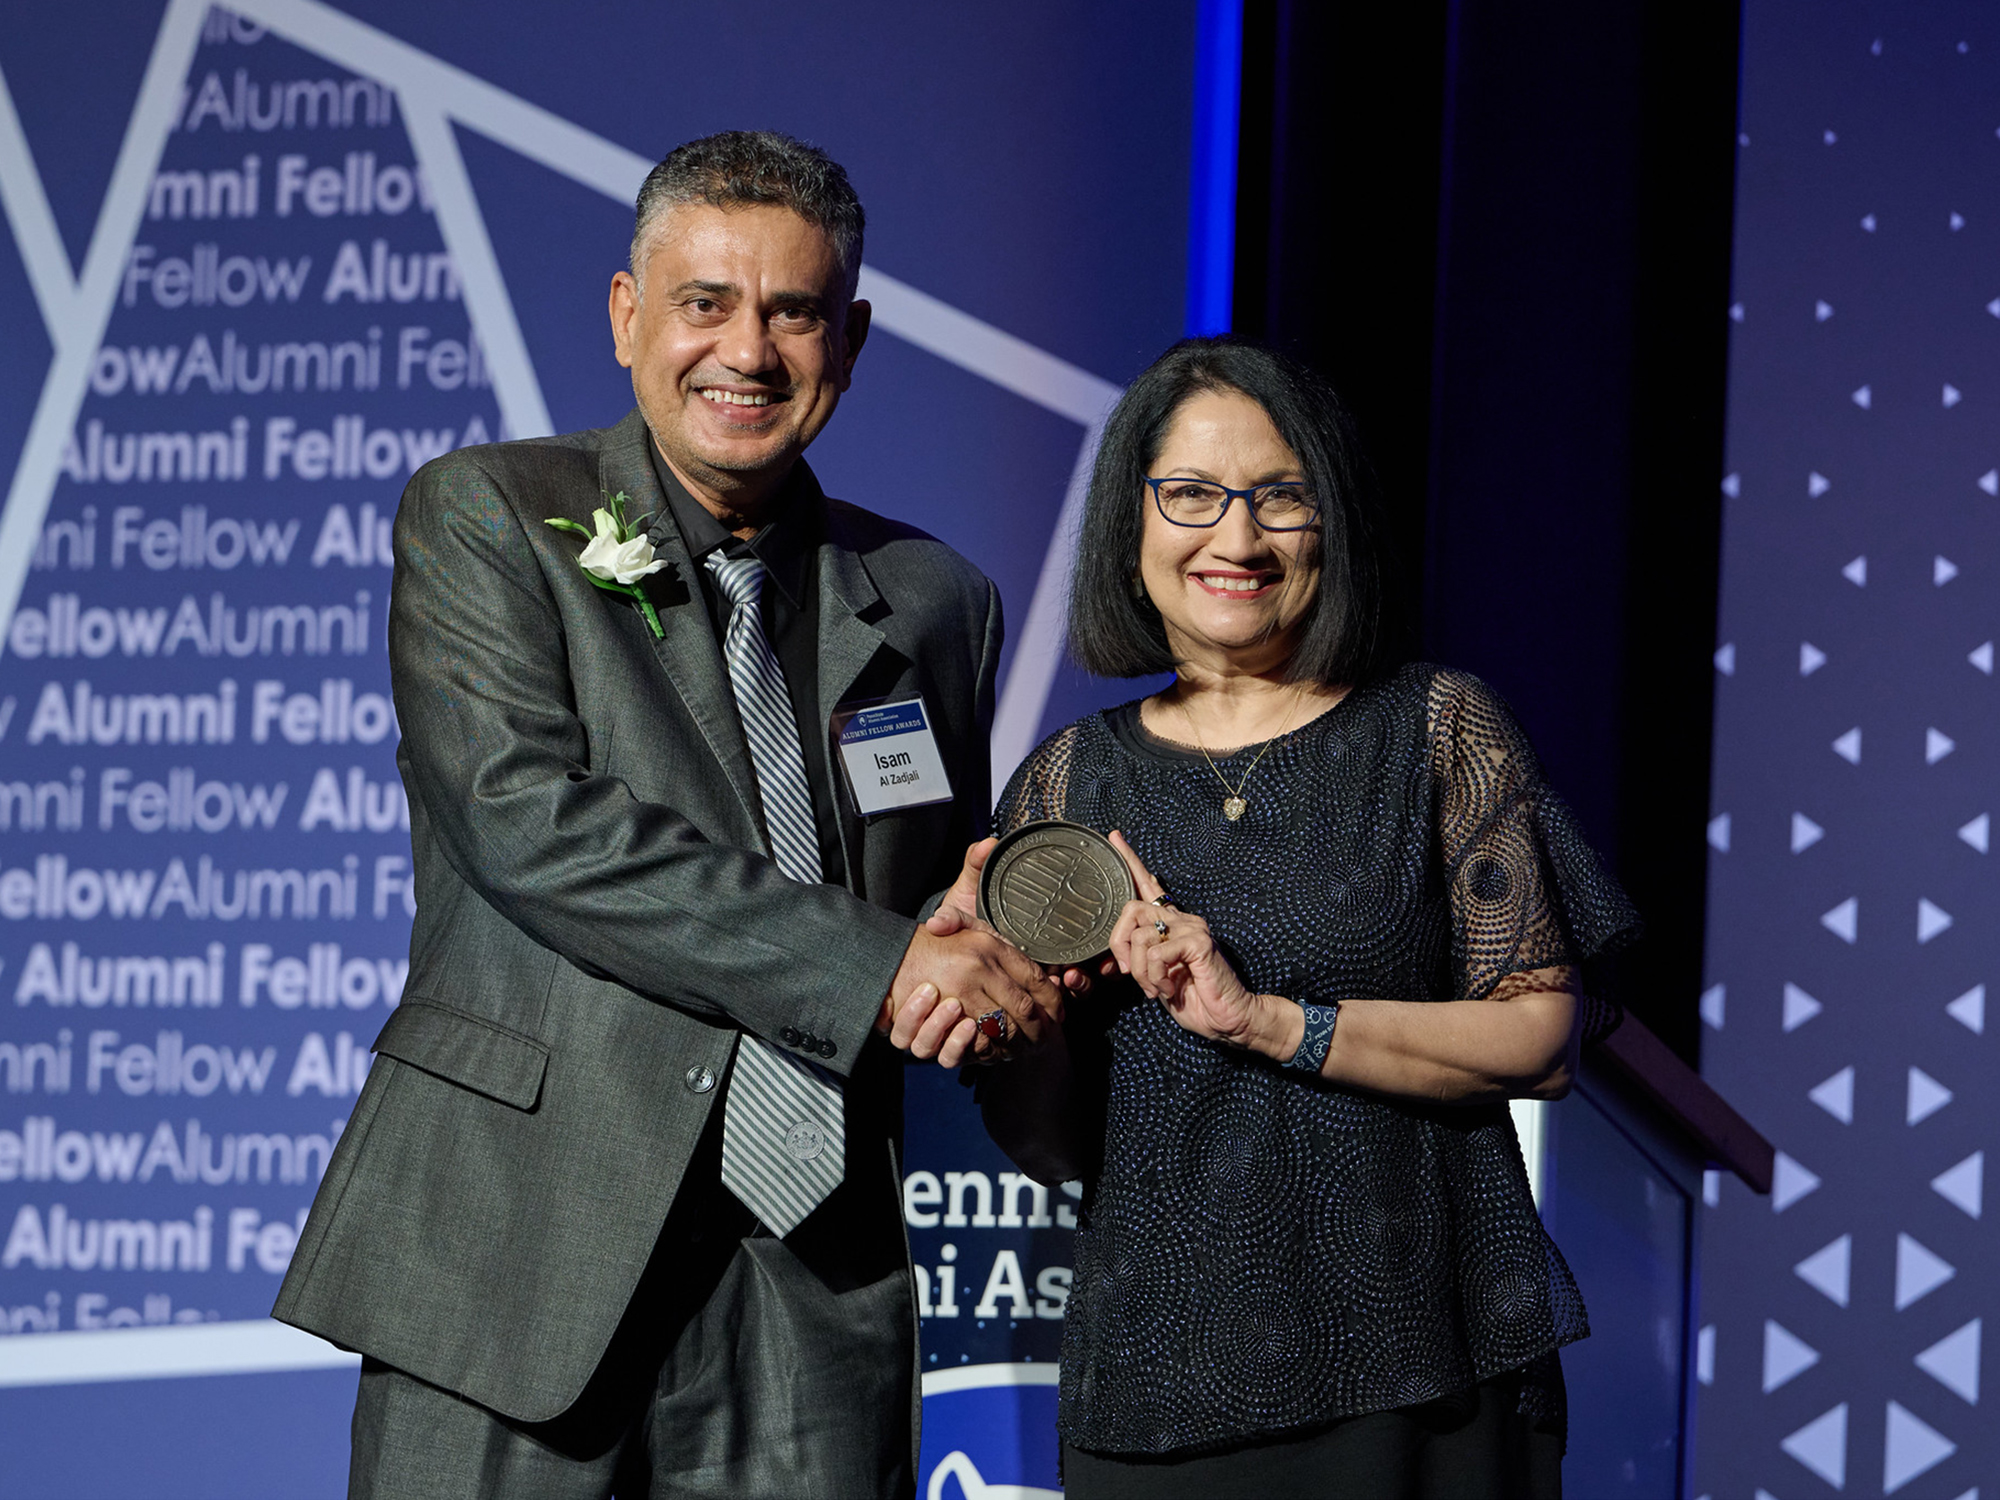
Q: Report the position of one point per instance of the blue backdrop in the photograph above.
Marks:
(1851, 933)
(260, 267)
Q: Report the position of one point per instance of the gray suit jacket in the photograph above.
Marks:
(597, 915)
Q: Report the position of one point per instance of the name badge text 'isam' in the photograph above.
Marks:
(891, 757)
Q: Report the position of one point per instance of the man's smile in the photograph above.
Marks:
(736, 407)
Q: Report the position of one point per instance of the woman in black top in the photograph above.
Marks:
(1308, 1261)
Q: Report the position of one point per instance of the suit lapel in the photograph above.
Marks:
(847, 643)
(848, 600)
(687, 650)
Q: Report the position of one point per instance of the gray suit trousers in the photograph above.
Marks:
(787, 1371)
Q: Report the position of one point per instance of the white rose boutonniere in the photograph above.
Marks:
(617, 555)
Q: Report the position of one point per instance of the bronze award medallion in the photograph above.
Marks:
(1054, 890)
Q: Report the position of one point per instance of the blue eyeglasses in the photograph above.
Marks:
(1286, 505)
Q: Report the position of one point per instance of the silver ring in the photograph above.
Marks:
(1160, 926)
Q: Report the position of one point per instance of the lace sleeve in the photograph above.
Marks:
(1039, 788)
(1527, 892)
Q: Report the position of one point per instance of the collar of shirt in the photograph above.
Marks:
(785, 545)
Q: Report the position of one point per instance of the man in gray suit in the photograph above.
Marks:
(618, 1211)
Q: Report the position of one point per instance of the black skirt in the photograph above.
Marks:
(1477, 1445)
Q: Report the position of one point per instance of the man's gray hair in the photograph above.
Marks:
(737, 168)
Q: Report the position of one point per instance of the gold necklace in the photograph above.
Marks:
(1233, 805)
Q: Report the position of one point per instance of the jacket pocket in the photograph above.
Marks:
(466, 1050)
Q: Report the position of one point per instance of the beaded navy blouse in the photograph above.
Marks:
(1259, 1250)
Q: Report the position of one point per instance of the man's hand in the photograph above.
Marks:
(963, 897)
(948, 981)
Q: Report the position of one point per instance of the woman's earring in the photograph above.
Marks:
(1138, 586)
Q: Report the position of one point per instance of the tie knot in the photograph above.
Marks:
(741, 578)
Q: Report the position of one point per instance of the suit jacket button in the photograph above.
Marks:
(807, 1043)
(699, 1079)
(827, 1049)
(789, 1036)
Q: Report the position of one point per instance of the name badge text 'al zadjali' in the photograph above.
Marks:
(890, 756)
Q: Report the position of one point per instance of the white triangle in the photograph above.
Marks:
(1817, 484)
(1821, 1445)
(1799, 1007)
(1957, 222)
(1911, 1446)
(1856, 572)
(1931, 920)
(1863, 396)
(1918, 1272)
(1868, 222)
(1718, 833)
(1732, 485)
(1981, 656)
(1848, 746)
(1969, 1010)
(1925, 1098)
(1943, 570)
(1805, 833)
(1736, 312)
(1953, 1362)
(1963, 1186)
(1826, 1269)
(1811, 658)
(1977, 831)
(1937, 745)
(1952, 394)
(1725, 659)
(1785, 1355)
(1836, 1095)
(1990, 481)
(1704, 1355)
(1844, 921)
(1822, 311)
(1789, 1183)
(1713, 1001)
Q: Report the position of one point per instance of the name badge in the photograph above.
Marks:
(890, 756)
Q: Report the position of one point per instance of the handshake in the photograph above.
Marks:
(963, 991)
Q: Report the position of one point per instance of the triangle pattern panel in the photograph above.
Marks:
(1919, 1271)
(1910, 1447)
(1828, 1269)
(1852, 917)
(1836, 1095)
(1926, 1096)
(1785, 1355)
(1821, 1445)
(1953, 1362)
(1963, 1186)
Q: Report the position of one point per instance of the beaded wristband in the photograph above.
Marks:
(1318, 1038)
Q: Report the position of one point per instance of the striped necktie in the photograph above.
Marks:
(784, 1136)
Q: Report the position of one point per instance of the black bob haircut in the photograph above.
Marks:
(1344, 638)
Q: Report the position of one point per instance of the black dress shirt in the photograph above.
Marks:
(788, 547)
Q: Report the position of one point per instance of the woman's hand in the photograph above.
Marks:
(1182, 969)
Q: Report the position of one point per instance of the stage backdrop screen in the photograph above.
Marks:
(1852, 887)
(260, 266)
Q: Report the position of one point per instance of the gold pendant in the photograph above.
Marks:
(1234, 808)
